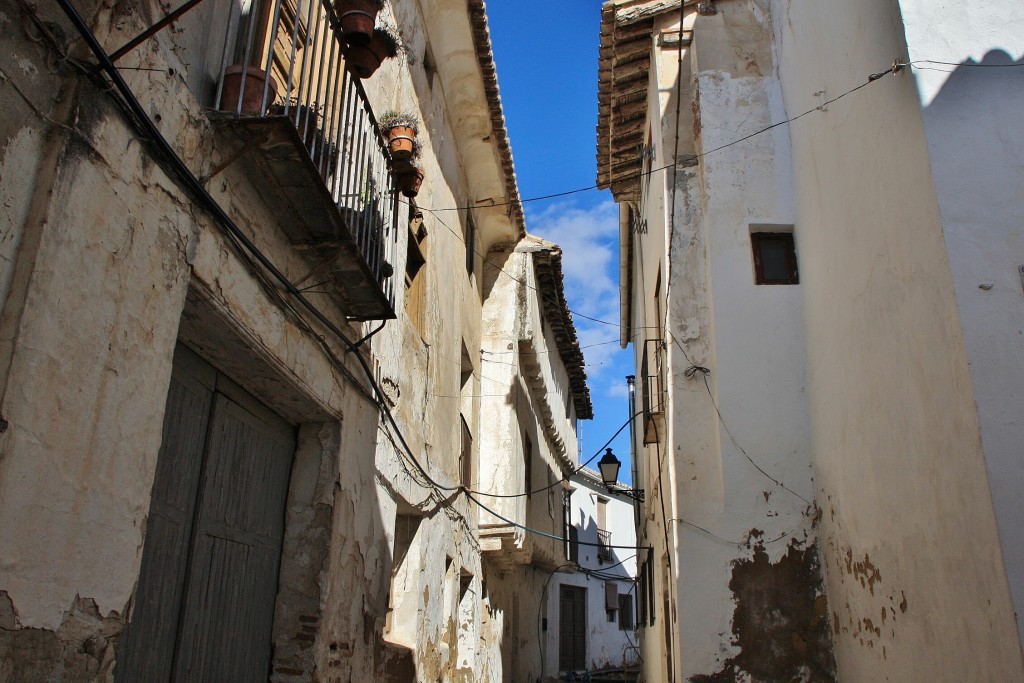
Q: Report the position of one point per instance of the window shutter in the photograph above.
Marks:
(611, 595)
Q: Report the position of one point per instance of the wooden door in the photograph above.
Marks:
(572, 628)
(205, 600)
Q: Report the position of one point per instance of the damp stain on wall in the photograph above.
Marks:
(780, 623)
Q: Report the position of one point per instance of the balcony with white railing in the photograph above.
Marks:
(303, 127)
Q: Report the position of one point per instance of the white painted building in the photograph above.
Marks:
(241, 380)
(826, 318)
(590, 619)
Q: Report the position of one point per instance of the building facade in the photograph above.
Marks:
(591, 606)
(533, 392)
(819, 281)
(242, 382)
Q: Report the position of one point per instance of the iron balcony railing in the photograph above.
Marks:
(652, 378)
(604, 542)
(297, 71)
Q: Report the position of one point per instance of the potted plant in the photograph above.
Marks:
(400, 130)
(409, 182)
(252, 97)
(363, 60)
(358, 17)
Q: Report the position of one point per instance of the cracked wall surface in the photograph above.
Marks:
(106, 264)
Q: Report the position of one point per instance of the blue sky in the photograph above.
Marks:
(546, 55)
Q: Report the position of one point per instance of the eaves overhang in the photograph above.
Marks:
(622, 91)
(547, 260)
(489, 73)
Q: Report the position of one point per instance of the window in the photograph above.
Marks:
(574, 544)
(470, 240)
(604, 537)
(571, 534)
(774, 258)
(466, 391)
(415, 273)
(528, 465)
(611, 599)
(625, 612)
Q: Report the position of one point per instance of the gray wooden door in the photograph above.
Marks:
(205, 600)
(572, 628)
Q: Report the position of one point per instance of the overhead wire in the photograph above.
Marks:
(512, 277)
(894, 68)
(122, 94)
(192, 186)
(546, 534)
(565, 477)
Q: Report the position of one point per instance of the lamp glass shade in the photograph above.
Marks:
(609, 466)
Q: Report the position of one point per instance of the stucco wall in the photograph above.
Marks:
(107, 264)
(725, 515)
(975, 150)
(917, 586)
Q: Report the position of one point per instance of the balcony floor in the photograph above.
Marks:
(274, 154)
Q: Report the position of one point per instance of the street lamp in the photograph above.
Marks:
(609, 466)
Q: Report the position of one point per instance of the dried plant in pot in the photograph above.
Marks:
(363, 60)
(358, 17)
(400, 130)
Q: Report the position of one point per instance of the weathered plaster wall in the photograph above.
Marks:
(909, 535)
(729, 515)
(975, 150)
(105, 265)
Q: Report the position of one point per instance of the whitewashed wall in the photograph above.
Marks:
(917, 584)
(607, 644)
(975, 149)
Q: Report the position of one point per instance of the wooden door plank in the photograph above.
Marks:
(229, 605)
(147, 646)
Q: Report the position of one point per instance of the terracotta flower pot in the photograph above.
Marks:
(401, 141)
(358, 17)
(252, 98)
(409, 183)
(363, 60)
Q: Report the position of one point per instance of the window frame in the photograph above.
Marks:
(760, 239)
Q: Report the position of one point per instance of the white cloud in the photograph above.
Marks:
(589, 238)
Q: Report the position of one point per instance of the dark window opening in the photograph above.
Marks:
(415, 273)
(528, 465)
(774, 258)
(470, 244)
(625, 612)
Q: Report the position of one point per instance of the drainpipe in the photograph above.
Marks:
(631, 386)
(625, 279)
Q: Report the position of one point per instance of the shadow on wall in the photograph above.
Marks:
(976, 151)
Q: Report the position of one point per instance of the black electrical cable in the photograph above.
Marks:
(545, 534)
(558, 482)
(194, 188)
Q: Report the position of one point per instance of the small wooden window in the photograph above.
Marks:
(774, 258)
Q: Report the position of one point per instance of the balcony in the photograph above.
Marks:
(652, 389)
(604, 547)
(309, 140)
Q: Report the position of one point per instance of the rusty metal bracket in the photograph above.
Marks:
(152, 30)
(372, 332)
